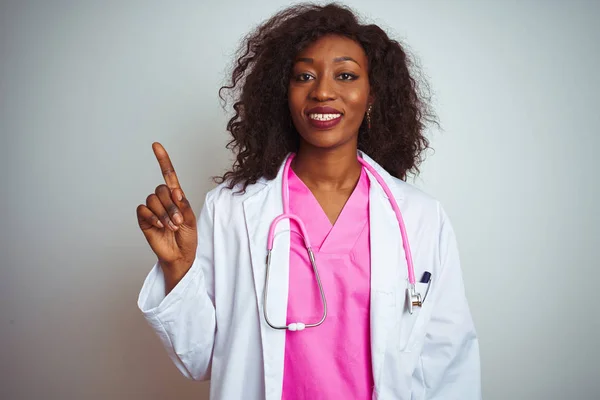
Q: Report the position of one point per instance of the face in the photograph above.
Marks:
(329, 92)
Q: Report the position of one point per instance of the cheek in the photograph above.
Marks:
(294, 100)
(357, 100)
(358, 96)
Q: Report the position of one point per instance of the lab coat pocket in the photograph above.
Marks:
(413, 325)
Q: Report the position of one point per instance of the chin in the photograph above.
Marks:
(325, 139)
(323, 143)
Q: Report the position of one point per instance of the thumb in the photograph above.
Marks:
(189, 218)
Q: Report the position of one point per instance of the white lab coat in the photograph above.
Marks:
(212, 322)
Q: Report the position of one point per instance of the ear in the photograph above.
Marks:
(371, 99)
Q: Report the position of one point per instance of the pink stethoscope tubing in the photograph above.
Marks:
(414, 298)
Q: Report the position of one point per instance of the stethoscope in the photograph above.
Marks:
(413, 297)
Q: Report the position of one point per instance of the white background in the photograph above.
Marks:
(86, 87)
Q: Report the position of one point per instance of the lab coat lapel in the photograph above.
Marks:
(260, 210)
(388, 270)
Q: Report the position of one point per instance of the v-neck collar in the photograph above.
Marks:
(325, 237)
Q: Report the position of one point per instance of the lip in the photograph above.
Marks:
(323, 110)
(322, 125)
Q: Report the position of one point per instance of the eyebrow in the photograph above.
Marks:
(335, 60)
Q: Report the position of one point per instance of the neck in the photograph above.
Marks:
(327, 169)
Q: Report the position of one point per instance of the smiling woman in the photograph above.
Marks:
(329, 91)
(328, 97)
(270, 62)
(328, 123)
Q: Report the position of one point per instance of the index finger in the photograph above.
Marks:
(166, 166)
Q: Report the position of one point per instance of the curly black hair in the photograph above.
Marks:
(259, 88)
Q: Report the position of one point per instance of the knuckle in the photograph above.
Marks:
(165, 217)
(168, 171)
(172, 209)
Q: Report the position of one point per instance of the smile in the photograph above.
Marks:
(324, 117)
(324, 121)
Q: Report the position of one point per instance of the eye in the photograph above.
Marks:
(346, 76)
(303, 77)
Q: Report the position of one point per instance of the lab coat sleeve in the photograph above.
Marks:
(184, 320)
(450, 354)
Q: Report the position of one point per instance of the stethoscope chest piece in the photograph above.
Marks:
(413, 298)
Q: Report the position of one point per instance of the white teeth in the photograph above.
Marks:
(324, 117)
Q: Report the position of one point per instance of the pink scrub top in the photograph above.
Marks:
(333, 360)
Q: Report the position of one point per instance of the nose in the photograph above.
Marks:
(323, 90)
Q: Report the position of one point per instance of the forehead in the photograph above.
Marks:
(329, 47)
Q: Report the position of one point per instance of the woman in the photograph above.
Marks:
(327, 118)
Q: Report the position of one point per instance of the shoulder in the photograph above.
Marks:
(421, 206)
(413, 196)
(428, 218)
(222, 195)
(409, 197)
(411, 192)
(429, 210)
